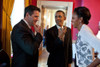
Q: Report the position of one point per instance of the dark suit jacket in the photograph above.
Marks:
(25, 46)
(60, 52)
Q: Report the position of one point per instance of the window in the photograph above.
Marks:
(18, 12)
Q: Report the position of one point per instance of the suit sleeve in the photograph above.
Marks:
(52, 43)
(25, 40)
(70, 48)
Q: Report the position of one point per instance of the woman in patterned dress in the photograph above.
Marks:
(86, 40)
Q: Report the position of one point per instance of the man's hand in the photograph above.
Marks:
(64, 29)
(95, 63)
(61, 33)
(37, 28)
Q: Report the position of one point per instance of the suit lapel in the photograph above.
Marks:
(27, 28)
(55, 31)
(25, 25)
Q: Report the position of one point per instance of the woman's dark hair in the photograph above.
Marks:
(84, 13)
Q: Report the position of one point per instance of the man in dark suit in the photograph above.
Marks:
(25, 43)
(59, 43)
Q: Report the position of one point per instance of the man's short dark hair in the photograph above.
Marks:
(61, 11)
(30, 9)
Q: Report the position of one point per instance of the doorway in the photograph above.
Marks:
(48, 9)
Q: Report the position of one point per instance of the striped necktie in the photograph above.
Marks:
(61, 29)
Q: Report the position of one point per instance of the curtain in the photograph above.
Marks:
(1, 1)
(6, 26)
(28, 2)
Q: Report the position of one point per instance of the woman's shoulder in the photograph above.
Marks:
(86, 29)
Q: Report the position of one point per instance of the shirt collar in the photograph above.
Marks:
(58, 27)
(27, 23)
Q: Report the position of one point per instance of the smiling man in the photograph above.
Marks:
(59, 43)
(24, 42)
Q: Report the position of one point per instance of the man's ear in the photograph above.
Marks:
(65, 18)
(27, 14)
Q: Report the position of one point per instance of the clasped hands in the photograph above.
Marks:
(61, 33)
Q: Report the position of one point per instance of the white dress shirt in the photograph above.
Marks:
(27, 23)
